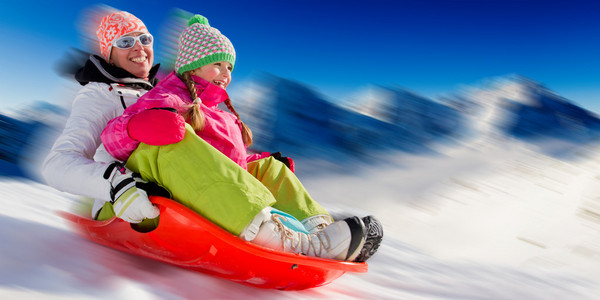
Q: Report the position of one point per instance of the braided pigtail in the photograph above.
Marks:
(194, 114)
(246, 132)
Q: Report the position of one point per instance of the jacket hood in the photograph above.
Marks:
(96, 69)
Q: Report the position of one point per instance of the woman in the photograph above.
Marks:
(111, 81)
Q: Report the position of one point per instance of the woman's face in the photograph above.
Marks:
(136, 60)
(218, 73)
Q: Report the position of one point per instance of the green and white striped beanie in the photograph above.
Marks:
(200, 45)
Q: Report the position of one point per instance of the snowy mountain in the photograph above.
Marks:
(518, 107)
(290, 117)
(414, 123)
(287, 115)
(26, 136)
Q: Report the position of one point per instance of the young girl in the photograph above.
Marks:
(111, 81)
(205, 166)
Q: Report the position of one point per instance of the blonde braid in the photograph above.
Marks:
(194, 114)
(246, 132)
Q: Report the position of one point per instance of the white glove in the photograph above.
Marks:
(130, 203)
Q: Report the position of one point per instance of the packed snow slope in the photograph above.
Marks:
(486, 204)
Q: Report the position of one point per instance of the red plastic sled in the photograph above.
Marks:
(185, 239)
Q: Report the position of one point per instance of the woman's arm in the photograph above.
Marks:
(70, 166)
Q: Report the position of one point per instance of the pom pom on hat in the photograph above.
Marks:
(198, 19)
(200, 45)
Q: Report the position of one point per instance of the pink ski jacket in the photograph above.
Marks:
(222, 129)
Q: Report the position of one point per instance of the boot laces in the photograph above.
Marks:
(321, 227)
(288, 234)
(323, 240)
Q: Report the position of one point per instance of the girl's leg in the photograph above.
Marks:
(203, 179)
(287, 189)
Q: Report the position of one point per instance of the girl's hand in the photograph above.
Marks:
(288, 162)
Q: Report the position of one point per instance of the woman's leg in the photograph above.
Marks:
(287, 189)
(203, 179)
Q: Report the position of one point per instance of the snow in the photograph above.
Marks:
(484, 222)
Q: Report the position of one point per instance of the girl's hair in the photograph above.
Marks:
(195, 116)
(246, 132)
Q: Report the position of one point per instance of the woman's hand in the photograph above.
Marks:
(157, 126)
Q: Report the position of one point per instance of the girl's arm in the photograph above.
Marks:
(116, 136)
(257, 156)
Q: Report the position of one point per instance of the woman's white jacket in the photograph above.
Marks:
(77, 160)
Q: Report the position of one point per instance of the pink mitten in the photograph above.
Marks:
(157, 126)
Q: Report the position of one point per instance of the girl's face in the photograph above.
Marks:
(136, 60)
(218, 73)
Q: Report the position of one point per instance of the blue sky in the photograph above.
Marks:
(429, 47)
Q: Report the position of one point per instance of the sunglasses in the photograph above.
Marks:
(126, 42)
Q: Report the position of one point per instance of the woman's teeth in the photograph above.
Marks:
(138, 59)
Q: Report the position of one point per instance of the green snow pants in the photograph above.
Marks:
(202, 178)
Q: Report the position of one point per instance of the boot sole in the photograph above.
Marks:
(373, 239)
(358, 232)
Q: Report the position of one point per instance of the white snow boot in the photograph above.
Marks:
(342, 240)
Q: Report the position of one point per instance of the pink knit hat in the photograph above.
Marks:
(115, 26)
